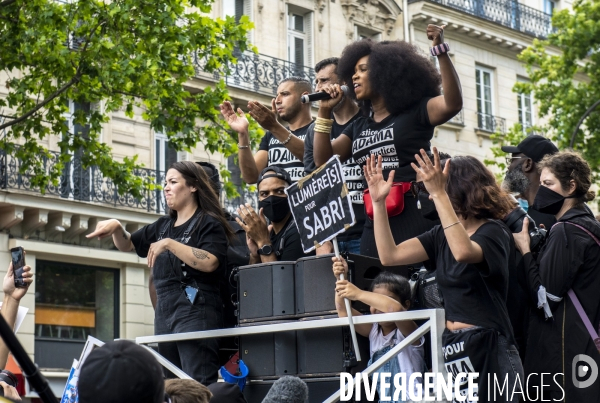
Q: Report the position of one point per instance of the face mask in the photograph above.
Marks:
(275, 208)
(427, 207)
(547, 201)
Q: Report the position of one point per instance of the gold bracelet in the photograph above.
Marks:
(322, 128)
(448, 226)
(323, 121)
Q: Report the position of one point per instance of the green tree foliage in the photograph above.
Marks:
(120, 54)
(565, 77)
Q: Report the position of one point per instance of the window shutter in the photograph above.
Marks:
(299, 52)
(247, 10)
(308, 29)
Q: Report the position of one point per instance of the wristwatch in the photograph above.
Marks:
(265, 250)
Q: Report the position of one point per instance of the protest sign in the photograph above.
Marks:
(321, 205)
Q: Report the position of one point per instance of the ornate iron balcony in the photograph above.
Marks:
(490, 123)
(86, 185)
(509, 13)
(256, 72)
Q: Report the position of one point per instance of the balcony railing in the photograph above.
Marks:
(490, 123)
(87, 185)
(508, 13)
(256, 72)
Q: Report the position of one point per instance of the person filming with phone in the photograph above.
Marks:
(186, 250)
(16, 282)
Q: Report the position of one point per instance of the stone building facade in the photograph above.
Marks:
(86, 287)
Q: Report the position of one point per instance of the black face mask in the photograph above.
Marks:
(275, 208)
(427, 207)
(547, 201)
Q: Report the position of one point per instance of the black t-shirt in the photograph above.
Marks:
(209, 236)
(287, 244)
(397, 138)
(352, 172)
(473, 293)
(280, 156)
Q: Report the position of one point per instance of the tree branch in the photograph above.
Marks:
(44, 102)
(7, 3)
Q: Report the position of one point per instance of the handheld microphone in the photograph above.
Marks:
(317, 96)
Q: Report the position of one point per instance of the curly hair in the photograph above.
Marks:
(473, 191)
(397, 70)
(570, 166)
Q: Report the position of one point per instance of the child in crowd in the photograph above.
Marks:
(389, 293)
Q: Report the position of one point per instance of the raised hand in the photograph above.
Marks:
(346, 289)
(237, 121)
(432, 175)
(379, 188)
(254, 224)
(105, 228)
(8, 285)
(265, 117)
(435, 34)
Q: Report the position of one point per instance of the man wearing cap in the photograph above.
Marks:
(279, 241)
(522, 176)
(121, 372)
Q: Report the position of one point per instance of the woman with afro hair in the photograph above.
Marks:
(398, 89)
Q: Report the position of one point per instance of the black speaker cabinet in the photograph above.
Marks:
(321, 352)
(318, 389)
(269, 355)
(266, 291)
(364, 269)
(315, 286)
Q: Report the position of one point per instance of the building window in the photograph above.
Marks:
(485, 106)
(165, 153)
(237, 8)
(525, 105)
(549, 6)
(76, 182)
(73, 302)
(299, 37)
(366, 33)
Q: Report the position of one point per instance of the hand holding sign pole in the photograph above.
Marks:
(348, 307)
(322, 209)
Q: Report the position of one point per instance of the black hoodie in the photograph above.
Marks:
(570, 259)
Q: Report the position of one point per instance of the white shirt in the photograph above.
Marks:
(411, 359)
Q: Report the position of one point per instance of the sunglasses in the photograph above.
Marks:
(416, 187)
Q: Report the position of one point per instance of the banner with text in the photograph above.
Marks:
(321, 205)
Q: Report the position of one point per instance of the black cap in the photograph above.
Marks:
(213, 174)
(274, 172)
(121, 371)
(534, 146)
(225, 392)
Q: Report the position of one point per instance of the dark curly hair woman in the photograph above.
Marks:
(471, 249)
(398, 88)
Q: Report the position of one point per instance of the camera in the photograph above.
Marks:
(514, 221)
(9, 378)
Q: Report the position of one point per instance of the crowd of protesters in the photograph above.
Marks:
(517, 309)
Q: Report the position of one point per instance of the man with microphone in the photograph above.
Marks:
(280, 146)
(343, 114)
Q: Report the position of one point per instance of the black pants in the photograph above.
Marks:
(175, 314)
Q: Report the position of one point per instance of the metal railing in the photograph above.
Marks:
(459, 118)
(490, 123)
(83, 184)
(255, 72)
(435, 324)
(509, 13)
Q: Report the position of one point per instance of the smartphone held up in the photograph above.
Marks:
(18, 260)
